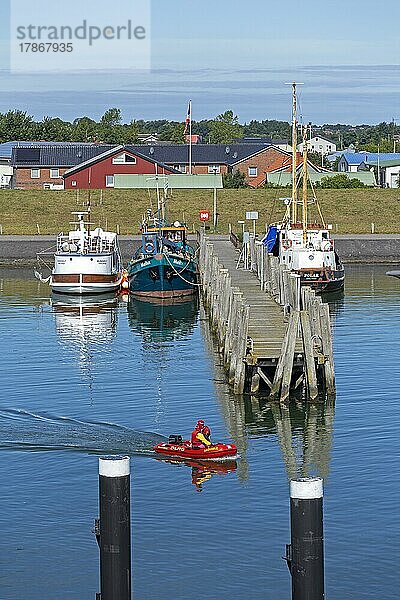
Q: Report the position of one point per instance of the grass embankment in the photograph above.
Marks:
(349, 210)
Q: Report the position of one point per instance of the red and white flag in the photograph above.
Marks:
(188, 117)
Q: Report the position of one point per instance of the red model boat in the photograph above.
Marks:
(184, 449)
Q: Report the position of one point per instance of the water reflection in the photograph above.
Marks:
(85, 325)
(162, 320)
(203, 471)
(304, 431)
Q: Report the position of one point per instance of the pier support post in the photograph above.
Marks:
(306, 552)
(114, 530)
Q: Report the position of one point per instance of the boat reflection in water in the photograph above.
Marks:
(163, 320)
(203, 471)
(85, 324)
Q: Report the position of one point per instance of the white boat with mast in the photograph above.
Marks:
(305, 248)
(86, 261)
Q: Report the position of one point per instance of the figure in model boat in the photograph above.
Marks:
(199, 447)
(86, 261)
(305, 248)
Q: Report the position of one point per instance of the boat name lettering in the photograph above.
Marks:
(177, 448)
(146, 263)
(178, 262)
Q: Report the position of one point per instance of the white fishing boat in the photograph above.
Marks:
(86, 261)
(304, 247)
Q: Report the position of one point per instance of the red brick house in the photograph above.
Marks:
(42, 166)
(258, 166)
(252, 159)
(77, 166)
(84, 166)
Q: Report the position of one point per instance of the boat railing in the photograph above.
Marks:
(93, 245)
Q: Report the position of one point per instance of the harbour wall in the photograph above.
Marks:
(21, 250)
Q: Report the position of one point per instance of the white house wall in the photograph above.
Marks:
(392, 176)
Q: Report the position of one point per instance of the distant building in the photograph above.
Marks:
(252, 159)
(42, 166)
(82, 166)
(148, 138)
(318, 145)
(267, 141)
(353, 162)
(196, 139)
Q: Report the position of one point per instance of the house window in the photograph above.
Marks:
(253, 171)
(54, 173)
(35, 173)
(181, 168)
(109, 180)
(73, 183)
(124, 159)
(214, 169)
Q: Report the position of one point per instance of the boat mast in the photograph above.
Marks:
(294, 155)
(305, 182)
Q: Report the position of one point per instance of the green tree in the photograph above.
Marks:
(16, 125)
(131, 133)
(173, 132)
(111, 118)
(225, 128)
(235, 180)
(85, 129)
(340, 181)
(53, 130)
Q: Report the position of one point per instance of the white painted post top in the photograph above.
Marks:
(114, 466)
(307, 488)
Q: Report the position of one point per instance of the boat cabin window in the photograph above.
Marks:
(174, 236)
(324, 235)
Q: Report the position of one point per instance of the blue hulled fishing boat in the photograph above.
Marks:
(165, 265)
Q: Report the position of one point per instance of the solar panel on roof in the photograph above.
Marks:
(29, 155)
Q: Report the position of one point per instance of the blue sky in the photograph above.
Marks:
(231, 54)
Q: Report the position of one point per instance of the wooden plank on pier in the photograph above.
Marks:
(309, 355)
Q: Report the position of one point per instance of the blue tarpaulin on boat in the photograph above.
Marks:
(270, 238)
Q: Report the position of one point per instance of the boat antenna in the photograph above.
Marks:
(89, 209)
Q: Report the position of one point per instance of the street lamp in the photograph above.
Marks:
(215, 215)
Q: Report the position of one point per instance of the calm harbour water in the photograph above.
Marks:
(81, 381)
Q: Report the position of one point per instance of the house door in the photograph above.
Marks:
(394, 180)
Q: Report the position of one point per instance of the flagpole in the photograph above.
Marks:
(190, 139)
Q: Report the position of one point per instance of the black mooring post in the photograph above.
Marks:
(305, 555)
(114, 529)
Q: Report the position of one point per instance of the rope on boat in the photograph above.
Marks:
(40, 277)
(179, 273)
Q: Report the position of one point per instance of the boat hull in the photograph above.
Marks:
(162, 277)
(329, 283)
(85, 283)
(185, 450)
(394, 274)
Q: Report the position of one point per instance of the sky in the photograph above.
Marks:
(225, 55)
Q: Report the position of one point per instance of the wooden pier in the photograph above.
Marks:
(274, 336)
